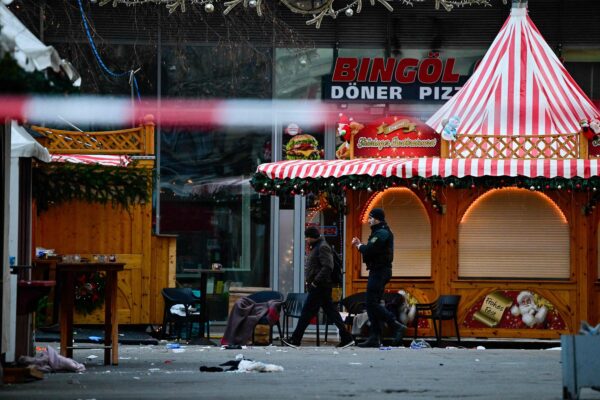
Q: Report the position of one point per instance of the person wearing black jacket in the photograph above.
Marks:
(319, 265)
(378, 254)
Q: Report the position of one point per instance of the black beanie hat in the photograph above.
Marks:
(378, 214)
(312, 232)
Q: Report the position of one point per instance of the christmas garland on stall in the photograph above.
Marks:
(335, 188)
(62, 182)
(89, 292)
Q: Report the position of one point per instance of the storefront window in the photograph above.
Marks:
(205, 193)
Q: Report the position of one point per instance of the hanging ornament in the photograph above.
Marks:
(349, 12)
(209, 7)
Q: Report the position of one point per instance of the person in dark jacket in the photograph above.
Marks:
(319, 265)
(378, 254)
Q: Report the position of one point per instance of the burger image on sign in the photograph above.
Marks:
(302, 147)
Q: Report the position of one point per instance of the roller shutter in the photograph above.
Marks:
(514, 233)
(408, 220)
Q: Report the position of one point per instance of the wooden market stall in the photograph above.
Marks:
(88, 228)
(504, 214)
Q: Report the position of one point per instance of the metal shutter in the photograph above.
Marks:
(408, 220)
(513, 233)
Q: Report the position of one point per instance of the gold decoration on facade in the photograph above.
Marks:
(316, 10)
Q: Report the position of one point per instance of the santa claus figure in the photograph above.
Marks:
(407, 311)
(530, 312)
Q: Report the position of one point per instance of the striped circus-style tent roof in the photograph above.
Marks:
(519, 88)
(430, 167)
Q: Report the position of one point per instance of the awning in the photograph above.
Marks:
(430, 167)
(106, 160)
(28, 51)
(23, 145)
(519, 88)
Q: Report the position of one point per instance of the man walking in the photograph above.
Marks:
(378, 254)
(318, 280)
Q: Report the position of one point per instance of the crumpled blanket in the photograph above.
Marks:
(244, 316)
(359, 322)
(50, 361)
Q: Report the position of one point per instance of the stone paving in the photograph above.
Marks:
(157, 372)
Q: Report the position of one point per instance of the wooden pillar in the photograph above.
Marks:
(148, 124)
(444, 148)
(583, 146)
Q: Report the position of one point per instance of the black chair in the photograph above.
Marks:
(443, 309)
(175, 322)
(357, 304)
(292, 308)
(263, 297)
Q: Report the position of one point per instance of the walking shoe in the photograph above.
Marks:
(294, 344)
(372, 341)
(399, 333)
(346, 343)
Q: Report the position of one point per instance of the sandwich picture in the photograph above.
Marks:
(302, 147)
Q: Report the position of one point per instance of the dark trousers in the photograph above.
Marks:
(375, 310)
(319, 297)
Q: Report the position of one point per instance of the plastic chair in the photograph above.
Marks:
(443, 309)
(174, 322)
(263, 297)
(292, 308)
(357, 304)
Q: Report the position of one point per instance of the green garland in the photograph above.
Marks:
(336, 187)
(56, 183)
(89, 292)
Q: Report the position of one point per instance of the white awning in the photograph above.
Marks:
(23, 145)
(27, 50)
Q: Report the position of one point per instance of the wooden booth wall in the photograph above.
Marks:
(570, 300)
(85, 228)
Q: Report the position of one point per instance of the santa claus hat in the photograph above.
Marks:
(343, 119)
(524, 294)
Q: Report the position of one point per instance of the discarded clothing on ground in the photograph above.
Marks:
(243, 318)
(240, 364)
(50, 361)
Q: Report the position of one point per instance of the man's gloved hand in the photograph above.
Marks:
(310, 287)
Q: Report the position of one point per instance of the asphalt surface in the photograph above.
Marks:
(157, 372)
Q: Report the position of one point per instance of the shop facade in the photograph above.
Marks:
(205, 197)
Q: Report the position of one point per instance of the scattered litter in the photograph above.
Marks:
(91, 357)
(136, 378)
(178, 350)
(153, 369)
(419, 344)
(168, 361)
(124, 358)
(480, 348)
(173, 345)
(240, 365)
(355, 363)
(385, 348)
(477, 360)
(95, 338)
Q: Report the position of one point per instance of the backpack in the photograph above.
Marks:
(337, 275)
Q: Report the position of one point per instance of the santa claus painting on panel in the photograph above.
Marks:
(530, 312)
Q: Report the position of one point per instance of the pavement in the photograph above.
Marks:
(159, 372)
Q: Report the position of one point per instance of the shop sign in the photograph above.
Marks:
(594, 147)
(391, 79)
(396, 137)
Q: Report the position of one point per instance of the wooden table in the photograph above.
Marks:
(66, 273)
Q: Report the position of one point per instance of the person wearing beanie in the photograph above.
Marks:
(378, 254)
(319, 265)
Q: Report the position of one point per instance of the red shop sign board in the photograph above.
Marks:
(396, 137)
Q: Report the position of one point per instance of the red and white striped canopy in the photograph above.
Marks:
(429, 167)
(519, 88)
(102, 159)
